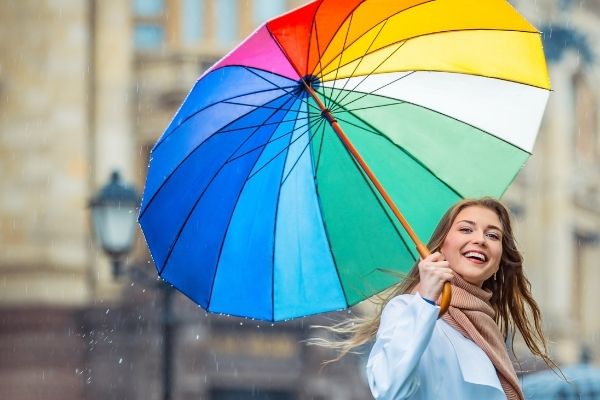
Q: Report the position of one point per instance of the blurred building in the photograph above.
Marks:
(87, 86)
(557, 195)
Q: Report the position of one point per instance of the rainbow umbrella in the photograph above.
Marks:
(275, 191)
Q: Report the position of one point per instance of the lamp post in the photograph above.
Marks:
(114, 219)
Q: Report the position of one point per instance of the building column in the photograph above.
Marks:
(559, 256)
(112, 138)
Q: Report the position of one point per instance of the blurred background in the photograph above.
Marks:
(86, 88)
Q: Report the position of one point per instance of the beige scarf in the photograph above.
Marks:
(471, 314)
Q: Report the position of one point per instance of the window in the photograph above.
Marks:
(148, 31)
(148, 8)
(227, 21)
(148, 36)
(192, 21)
(263, 10)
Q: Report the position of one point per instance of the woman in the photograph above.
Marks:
(461, 355)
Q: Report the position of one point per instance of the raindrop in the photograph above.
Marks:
(197, 337)
(107, 311)
(120, 361)
(241, 323)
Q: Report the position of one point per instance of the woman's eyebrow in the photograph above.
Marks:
(473, 223)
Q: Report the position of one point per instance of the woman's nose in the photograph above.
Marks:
(479, 237)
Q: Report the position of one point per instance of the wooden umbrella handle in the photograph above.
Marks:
(444, 300)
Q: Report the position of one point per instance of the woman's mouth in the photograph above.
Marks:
(476, 257)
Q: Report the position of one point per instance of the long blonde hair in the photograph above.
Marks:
(511, 299)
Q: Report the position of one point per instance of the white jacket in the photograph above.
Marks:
(418, 356)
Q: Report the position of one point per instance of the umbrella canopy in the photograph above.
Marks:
(583, 384)
(253, 204)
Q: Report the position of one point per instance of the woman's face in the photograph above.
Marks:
(473, 246)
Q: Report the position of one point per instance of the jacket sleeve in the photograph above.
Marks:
(407, 323)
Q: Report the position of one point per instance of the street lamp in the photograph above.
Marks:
(114, 219)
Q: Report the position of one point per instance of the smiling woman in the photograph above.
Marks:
(462, 355)
(473, 246)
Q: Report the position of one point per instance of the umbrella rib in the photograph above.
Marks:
(400, 101)
(371, 129)
(488, 77)
(382, 205)
(368, 93)
(313, 25)
(192, 115)
(280, 152)
(270, 141)
(319, 124)
(316, 168)
(340, 55)
(164, 182)
(275, 229)
(362, 58)
(227, 229)
(339, 102)
(344, 48)
(217, 133)
(438, 33)
(310, 105)
(325, 230)
(350, 110)
(265, 124)
(318, 49)
(235, 103)
(334, 56)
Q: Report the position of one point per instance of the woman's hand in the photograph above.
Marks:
(434, 271)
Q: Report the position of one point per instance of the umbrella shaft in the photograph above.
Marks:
(421, 248)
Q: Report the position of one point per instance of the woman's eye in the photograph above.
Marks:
(494, 236)
(465, 229)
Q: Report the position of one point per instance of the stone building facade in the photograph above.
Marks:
(87, 86)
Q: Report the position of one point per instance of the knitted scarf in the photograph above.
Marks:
(471, 314)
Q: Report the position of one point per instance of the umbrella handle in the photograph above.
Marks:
(444, 300)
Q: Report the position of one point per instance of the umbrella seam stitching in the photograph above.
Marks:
(214, 278)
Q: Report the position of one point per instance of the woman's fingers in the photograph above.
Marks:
(434, 271)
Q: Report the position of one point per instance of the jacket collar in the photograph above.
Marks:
(475, 365)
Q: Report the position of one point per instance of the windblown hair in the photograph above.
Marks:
(511, 299)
